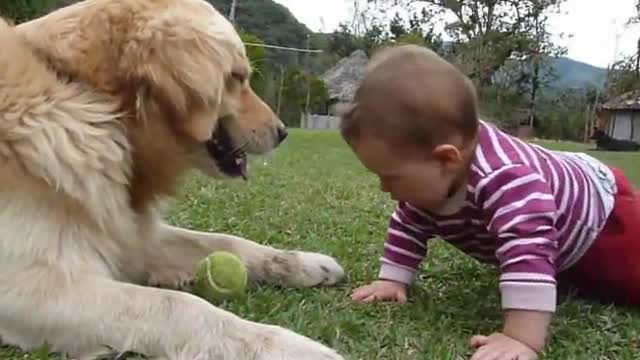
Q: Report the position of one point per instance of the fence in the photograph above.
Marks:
(319, 122)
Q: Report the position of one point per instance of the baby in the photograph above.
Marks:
(540, 216)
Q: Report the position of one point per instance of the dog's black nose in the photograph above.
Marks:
(282, 134)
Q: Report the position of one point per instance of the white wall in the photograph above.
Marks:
(625, 125)
(320, 122)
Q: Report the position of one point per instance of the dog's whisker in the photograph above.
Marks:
(240, 150)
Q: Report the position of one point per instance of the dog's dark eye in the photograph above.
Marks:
(239, 77)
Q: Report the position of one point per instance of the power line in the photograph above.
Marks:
(284, 48)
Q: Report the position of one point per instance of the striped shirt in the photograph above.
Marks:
(530, 211)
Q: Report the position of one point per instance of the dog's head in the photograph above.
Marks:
(180, 69)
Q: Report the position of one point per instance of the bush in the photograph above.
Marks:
(20, 11)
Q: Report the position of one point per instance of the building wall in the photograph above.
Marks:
(318, 122)
(624, 125)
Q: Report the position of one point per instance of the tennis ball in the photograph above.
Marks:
(220, 276)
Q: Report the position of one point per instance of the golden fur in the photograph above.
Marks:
(103, 105)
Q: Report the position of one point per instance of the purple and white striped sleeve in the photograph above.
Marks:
(405, 246)
(521, 213)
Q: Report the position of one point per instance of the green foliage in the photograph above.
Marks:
(344, 42)
(259, 61)
(297, 85)
(507, 48)
(20, 11)
(418, 30)
(486, 33)
(624, 76)
(396, 27)
(493, 39)
(275, 25)
(318, 91)
(563, 115)
(271, 22)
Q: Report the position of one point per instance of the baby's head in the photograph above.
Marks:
(414, 123)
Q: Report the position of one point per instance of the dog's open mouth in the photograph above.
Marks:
(230, 159)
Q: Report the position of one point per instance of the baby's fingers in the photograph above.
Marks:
(362, 293)
(401, 297)
(479, 340)
(375, 296)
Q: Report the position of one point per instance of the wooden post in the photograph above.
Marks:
(306, 107)
(587, 123)
(280, 90)
(232, 11)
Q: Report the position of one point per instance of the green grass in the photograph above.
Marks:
(313, 195)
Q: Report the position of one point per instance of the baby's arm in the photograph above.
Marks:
(405, 246)
(520, 211)
(404, 249)
(528, 327)
(523, 336)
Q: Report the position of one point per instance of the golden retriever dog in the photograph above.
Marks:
(103, 105)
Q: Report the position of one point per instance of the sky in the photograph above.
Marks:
(598, 27)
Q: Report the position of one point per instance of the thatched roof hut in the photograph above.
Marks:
(620, 117)
(344, 78)
(626, 101)
(341, 81)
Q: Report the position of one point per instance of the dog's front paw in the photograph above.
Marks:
(170, 278)
(281, 344)
(318, 270)
(302, 269)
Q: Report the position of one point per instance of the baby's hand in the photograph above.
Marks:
(381, 290)
(498, 346)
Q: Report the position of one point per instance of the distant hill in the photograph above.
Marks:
(573, 73)
(267, 19)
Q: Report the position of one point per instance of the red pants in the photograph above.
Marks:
(610, 270)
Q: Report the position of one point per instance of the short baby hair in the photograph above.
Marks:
(411, 96)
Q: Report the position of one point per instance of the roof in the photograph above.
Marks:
(343, 79)
(626, 101)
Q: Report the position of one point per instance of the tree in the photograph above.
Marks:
(624, 75)
(381, 32)
(539, 52)
(396, 27)
(343, 42)
(486, 33)
(296, 84)
(366, 31)
(259, 61)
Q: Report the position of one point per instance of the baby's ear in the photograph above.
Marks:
(447, 154)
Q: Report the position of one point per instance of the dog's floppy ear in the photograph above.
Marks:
(173, 80)
(184, 67)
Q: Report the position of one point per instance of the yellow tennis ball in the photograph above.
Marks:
(220, 276)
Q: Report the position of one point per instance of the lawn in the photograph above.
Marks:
(311, 194)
